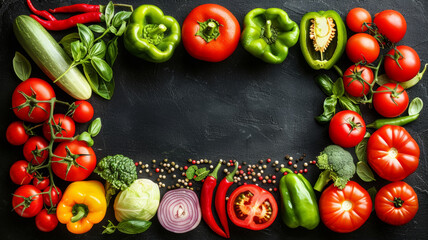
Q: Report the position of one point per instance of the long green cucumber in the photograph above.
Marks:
(50, 57)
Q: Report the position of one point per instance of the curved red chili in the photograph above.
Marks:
(43, 13)
(81, 7)
(220, 199)
(207, 199)
(58, 25)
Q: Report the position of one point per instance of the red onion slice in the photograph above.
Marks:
(179, 211)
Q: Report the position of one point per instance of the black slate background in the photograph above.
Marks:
(240, 108)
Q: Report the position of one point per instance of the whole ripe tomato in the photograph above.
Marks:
(396, 203)
(391, 24)
(56, 195)
(16, 134)
(252, 207)
(28, 208)
(362, 47)
(81, 158)
(347, 128)
(220, 42)
(32, 150)
(390, 100)
(392, 153)
(34, 89)
(41, 183)
(46, 222)
(64, 126)
(355, 19)
(356, 80)
(18, 173)
(345, 210)
(83, 112)
(409, 64)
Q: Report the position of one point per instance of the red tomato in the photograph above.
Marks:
(355, 19)
(355, 80)
(46, 222)
(16, 134)
(252, 207)
(391, 24)
(32, 151)
(362, 47)
(218, 48)
(83, 112)
(56, 195)
(396, 203)
(81, 158)
(64, 126)
(34, 89)
(390, 104)
(347, 129)
(392, 153)
(345, 210)
(32, 206)
(41, 183)
(18, 173)
(409, 64)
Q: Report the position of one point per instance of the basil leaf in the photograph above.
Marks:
(112, 51)
(86, 35)
(364, 172)
(98, 50)
(415, 106)
(102, 68)
(75, 51)
(372, 192)
(97, 28)
(21, 66)
(202, 175)
(102, 88)
(121, 17)
(338, 88)
(83, 49)
(361, 150)
(109, 13)
(190, 173)
(346, 103)
(106, 89)
(85, 136)
(113, 30)
(325, 83)
(95, 127)
(121, 29)
(133, 226)
(67, 40)
(200, 171)
(329, 110)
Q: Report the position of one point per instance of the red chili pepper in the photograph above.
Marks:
(207, 199)
(44, 13)
(58, 25)
(220, 199)
(81, 7)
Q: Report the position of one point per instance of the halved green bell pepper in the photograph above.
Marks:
(298, 202)
(268, 33)
(322, 38)
(151, 35)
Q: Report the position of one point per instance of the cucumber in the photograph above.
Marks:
(50, 57)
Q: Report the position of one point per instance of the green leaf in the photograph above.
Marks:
(86, 35)
(354, 100)
(133, 226)
(200, 170)
(346, 103)
(67, 40)
(102, 68)
(361, 150)
(97, 28)
(121, 29)
(415, 106)
(338, 88)
(113, 30)
(109, 13)
(112, 51)
(121, 17)
(95, 127)
(98, 49)
(21, 66)
(329, 110)
(85, 136)
(102, 88)
(190, 173)
(76, 50)
(202, 175)
(83, 49)
(364, 172)
(372, 192)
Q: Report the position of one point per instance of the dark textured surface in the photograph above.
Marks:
(239, 109)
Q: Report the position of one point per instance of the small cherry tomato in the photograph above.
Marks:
(64, 126)
(408, 65)
(83, 112)
(56, 195)
(390, 100)
(27, 201)
(41, 183)
(356, 80)
(347, 128)
(362, 47)
(391, 24)
(16, 134)
(46, 222)
(19, 173)
(356, 19)
(33, 152)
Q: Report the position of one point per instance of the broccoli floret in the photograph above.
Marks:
(338, 165)
(118, 171)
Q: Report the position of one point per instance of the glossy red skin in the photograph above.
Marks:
(384, 206)
(338, 219)
(36, 203)
(66, 123)
(410, 64)
(41, 184)
(220, 204)
(391, 24)
(46, 222)
(383, 103)
(56, 194)
(43, 91)
(84, 112)
(362, 47)
(216, 50)
(31, 145)
(341, 132)
(18, 173)
(75, 173)
(355, 19)
(260, 195)
(389, 167)
(206, 204)
(356, 88)
(16, 134)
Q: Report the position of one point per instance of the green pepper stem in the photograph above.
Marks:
(158, 29)
(283, 170)
(215, 171)
(229, 176)
(210, 28)
(268, 30)
(79, 212)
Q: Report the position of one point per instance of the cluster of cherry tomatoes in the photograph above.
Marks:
(33, 103)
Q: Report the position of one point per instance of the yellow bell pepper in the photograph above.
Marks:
(82, 205)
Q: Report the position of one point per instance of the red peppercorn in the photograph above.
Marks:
(314, 162)
(290, 163)
(300, 171)
(186, 167)
(193, 161)
(136, 164)
(295, 172)
(249, 173)
(260, 178)
(239, 167)
(273, 177)
(231, 161)
(231, 164)
(269, 181)
(241, 172)
(245, 183)
(268, 160)
(190, 184)
(203, 180)
(305, 170)
(285, 173)
(157, 170)
(275, 189)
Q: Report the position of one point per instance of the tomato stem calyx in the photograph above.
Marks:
(209, 30)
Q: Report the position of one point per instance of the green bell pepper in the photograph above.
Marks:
(151, 35)
(322, 38)
(298, 202)
(268, 33)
